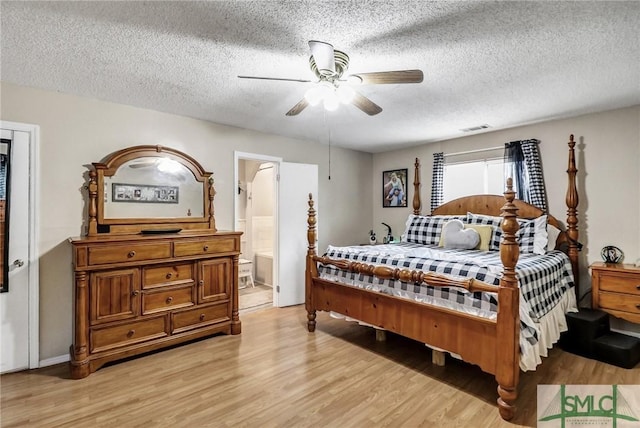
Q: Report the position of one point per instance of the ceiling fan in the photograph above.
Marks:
(329, 66)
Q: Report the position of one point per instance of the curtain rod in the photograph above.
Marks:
(473, 151)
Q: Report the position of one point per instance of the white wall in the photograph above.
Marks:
(76, 131)
(608, 179)
(262, 191)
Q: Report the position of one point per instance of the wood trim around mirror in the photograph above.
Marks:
(98, 224)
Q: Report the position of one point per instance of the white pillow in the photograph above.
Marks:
(541, 236)
(552, 236)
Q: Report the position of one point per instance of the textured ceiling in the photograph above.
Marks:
(498, 63)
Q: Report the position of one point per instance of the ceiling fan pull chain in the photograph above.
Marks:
(328, 128)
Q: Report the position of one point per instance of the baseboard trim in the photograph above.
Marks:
(55, 360)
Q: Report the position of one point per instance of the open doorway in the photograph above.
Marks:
(274, 239)
(256, 217)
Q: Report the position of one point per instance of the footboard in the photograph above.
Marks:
(439, 327)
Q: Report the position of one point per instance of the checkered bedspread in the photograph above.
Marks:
(543, 279)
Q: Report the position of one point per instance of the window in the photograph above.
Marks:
(473, 177)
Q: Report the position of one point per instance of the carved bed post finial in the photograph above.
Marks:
(312, 269)
(572, 213)
(416, 188)
(508, 325)
(509, 250)
(92, 187)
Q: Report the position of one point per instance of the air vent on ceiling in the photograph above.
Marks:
(476, 128)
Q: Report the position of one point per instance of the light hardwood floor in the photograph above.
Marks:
(276, 374)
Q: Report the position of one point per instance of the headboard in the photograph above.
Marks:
(491, 205)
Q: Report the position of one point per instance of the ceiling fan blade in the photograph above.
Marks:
(274, 78)
(296, 109)
(387, 77)
(322, 53)
(365, 104)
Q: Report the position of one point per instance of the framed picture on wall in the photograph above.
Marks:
(394, 188)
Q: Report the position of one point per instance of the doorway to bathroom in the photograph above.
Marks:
(270, 209)
(255, 205)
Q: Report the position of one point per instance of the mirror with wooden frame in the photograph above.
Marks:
(149, 189)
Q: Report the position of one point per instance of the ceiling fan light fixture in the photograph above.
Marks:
(345, 94)
(320, 92)
(329, 65)
(314, 95)
(331, 102)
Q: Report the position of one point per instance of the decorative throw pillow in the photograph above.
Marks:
(485, 232)
(526, 235)
(494, 222)
(531, 236)
(454, 235)
(426, 230)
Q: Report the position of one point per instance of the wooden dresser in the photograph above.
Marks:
(137, 293)
(152, 270)
(615, 288)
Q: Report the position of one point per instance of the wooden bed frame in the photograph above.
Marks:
(443, 328)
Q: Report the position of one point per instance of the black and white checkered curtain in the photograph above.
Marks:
(523, 165)
(437, 183)
(537, 190)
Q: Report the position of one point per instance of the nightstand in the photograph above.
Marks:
(615, 288)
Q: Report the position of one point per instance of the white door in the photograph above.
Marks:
(14, 304)
(296, 182)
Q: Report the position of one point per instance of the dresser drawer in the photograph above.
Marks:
(106, 338)
(166, 299)
(199, 317)
(202, 247)
(167, 275)
(620, 282)
(129, 253)
(620, 302)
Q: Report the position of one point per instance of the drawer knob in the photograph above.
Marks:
(205, 248)
(131, 333)
(201, 317)
(638, 287)
(169, 275)
(169, 299)
(131, 254)
(134, 293)
(201, 282)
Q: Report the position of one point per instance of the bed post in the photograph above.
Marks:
(312, 268)
(572, 214)
(416, 188)
(508, 322)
